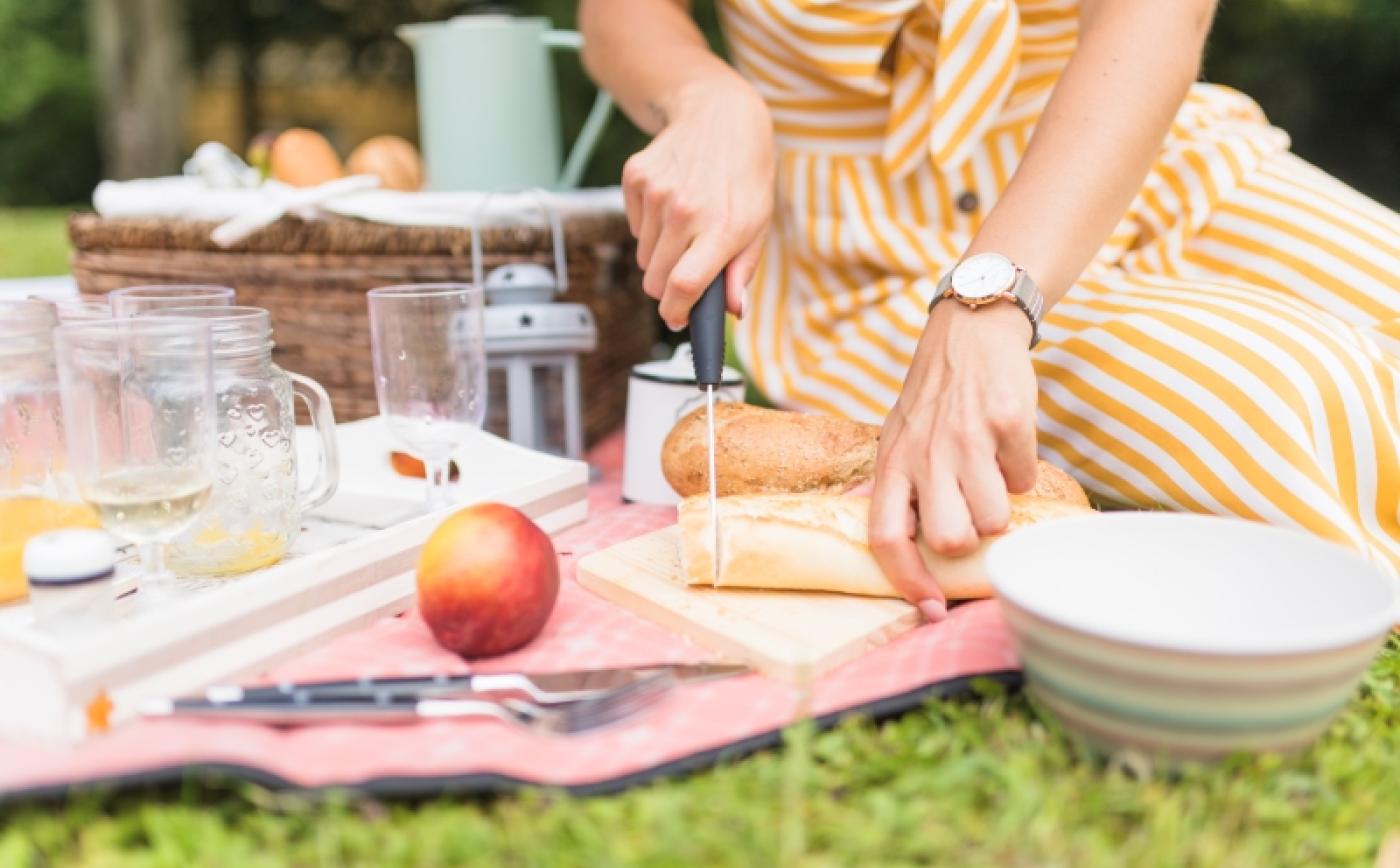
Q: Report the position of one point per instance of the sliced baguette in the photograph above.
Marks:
(816, 542)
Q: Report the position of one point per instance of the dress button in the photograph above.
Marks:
(967, 202)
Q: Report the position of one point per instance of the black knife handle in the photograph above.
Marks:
(707, 334)
(419, 685)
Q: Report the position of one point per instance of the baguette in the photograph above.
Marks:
(760, 451)
(815, 542)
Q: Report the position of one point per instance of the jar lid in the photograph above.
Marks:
(680, 368)
(26, 327)
(234, 329)
(62, 558)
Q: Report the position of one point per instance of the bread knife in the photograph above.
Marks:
(707, 349)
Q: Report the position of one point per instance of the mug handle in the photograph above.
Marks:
(592, 130)
(323, 421)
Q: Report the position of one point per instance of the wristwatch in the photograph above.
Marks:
(989, 277)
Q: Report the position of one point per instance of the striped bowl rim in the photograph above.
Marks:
(1105, 732)
(1193, 717)
(1115, 658)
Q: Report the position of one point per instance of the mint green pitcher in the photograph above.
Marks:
(488, 111)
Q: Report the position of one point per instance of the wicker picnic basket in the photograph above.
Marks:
(312, 276)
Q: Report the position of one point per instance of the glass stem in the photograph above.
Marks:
(437, 470)
(154, 571)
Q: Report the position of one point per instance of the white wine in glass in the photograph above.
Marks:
(429, 346)
(142, 505)
(138, 407)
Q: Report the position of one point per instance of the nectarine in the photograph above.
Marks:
(488, 578)
(304, 158)
(392, 158)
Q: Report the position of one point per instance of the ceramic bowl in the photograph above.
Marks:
(1189, 637)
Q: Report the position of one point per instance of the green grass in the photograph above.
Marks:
(33, 242)
(955, 783)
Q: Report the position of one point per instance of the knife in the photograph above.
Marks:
(707, 349)
(558, 719)
(550, 688)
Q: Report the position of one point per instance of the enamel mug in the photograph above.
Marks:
(659, 393)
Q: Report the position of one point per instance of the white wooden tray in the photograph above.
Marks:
(352, 563)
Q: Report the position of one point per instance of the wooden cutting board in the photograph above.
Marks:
(792, 635)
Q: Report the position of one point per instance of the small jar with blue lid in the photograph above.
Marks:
(71, 576)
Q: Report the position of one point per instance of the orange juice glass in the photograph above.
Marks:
(25, 517)
(31, 440)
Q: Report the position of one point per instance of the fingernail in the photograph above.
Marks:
(743, 303)
(674, 328)
(933, 610)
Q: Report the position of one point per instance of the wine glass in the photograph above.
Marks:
(429, 347)
(136, 300)
(138, 409)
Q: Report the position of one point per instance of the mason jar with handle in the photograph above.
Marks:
(255, 511)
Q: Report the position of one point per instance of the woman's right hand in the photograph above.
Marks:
(701, 194)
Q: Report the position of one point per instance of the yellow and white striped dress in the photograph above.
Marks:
(1234, 348)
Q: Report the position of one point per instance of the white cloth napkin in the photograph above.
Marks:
(243, 211)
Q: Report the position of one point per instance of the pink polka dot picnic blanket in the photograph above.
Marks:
(695, 726)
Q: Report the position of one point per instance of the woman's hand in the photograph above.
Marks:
(960, 437)
(700, 196)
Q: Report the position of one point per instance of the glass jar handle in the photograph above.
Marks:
(323, 421)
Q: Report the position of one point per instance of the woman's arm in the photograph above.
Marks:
(646, 53)
(963, 431)
(1100, 132)
(699, 197)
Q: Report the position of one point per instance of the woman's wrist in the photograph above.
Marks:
(720, 86)
(1001, 320)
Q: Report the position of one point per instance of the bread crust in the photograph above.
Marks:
(768, 451)
(760, 451)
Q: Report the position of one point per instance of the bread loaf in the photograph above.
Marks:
(817, 542)
(760, 451)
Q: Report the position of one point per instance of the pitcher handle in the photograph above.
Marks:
(592, 130)
(323, 487)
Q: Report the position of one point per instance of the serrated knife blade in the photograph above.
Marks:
(707, 349)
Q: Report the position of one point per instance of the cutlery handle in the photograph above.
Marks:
(416, 684)
(707, 334)
(287, 713)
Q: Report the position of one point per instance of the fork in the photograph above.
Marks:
(560, 719)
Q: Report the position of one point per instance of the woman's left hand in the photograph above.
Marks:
(959, 439)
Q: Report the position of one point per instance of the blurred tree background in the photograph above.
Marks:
(1328, 71)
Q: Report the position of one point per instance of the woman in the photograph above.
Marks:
(1221, 322)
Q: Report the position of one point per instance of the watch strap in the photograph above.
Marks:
(1028, 298)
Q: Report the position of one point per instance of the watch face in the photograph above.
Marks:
(983, 276)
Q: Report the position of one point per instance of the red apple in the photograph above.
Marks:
(487, 580)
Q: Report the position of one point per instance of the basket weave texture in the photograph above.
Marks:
(312, 276)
